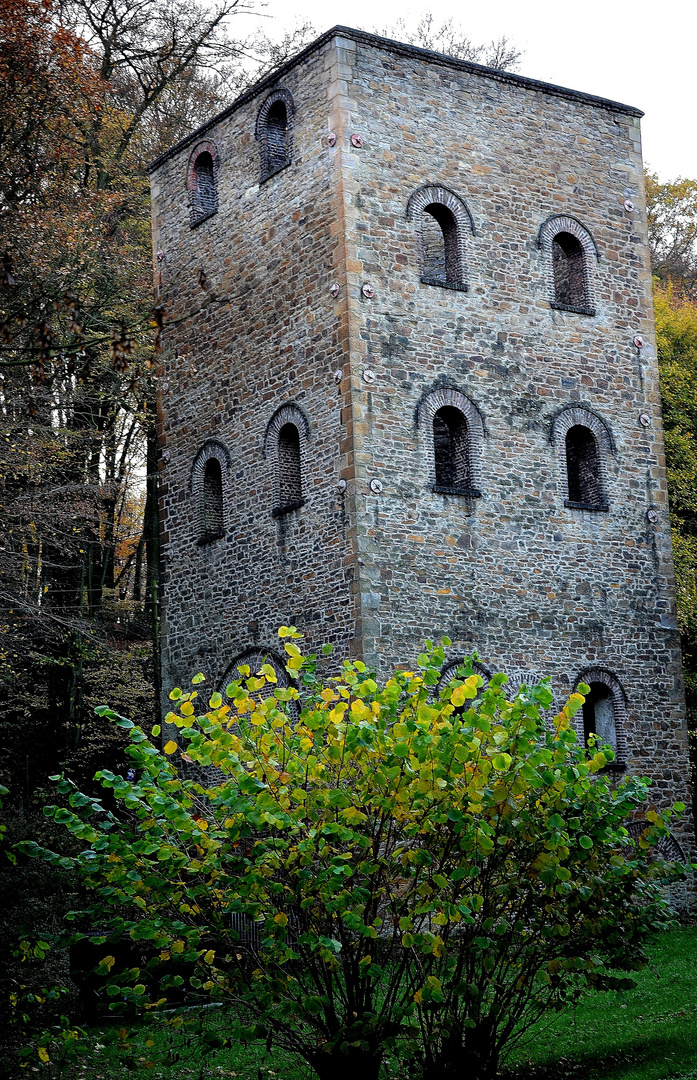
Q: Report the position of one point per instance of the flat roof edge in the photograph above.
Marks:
(402, 49)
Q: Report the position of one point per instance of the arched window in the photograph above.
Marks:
(203, 182)
(208, 476)
(212, 510)
(599, 715)
(442, 220)
(285, 445)
(289, 469)
(583, 468)
(439, 239)
(584, 446)
(604, 713)
(571, 255)
(277, 135)
(454, 431)
(569, 272)
(274, 132)
(451, 450)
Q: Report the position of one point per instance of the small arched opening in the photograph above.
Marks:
(451, 450)
(212, 500)
(584, 480)
(568, 263)
(289, 468)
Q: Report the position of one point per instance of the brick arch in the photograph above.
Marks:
(210, 449)
(255, 657)
(619, 706)
(197, 213)
(565, 223)
(439, 195)
(268, 168)
(290, 413)
(449, 670)
(578, 415)
(667, 847)
(440, 397)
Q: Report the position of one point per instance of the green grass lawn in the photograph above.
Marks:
(650, 1034)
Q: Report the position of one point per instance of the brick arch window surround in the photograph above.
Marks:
(208, 485)
(454, 430)
(583, 445)
(571, 255)
(274, 132)
(442, 220)
(202, 182)
(604, 713)
(253, 658)
(285, 445)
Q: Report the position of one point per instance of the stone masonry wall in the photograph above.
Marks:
(530, 584)
(533, 585)
(252, 328)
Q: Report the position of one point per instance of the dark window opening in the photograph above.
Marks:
(212, 501)
(568, 262)
(276, 137)
(289, 470)
(599, 716)
(440, 246)
(205, 198)
(583, 469)
(452, 452)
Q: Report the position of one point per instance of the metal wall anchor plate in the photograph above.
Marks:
(356, 140)
(376, 486)
(368, 376)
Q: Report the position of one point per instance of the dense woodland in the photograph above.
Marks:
(90, 91)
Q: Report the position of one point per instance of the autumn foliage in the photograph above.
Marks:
(365, 869)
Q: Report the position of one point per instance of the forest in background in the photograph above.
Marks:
(90, 92)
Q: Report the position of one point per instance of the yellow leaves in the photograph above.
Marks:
(281, 919)
(108, 962)
(202, 824)
(351, 815)
(177, 946)
(328, 694)
(170, 747)
(651, 815)
(268, 672)
(209, 956)
(359, 710)
(418, 997)
(438, 947)
(187, 709)
(43, 1054)
(466, 692)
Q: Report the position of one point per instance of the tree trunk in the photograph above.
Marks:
(354, 1064)
(472, 1054)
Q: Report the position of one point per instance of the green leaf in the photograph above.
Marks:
(585, 842)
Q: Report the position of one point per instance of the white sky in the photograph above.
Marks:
(638, 53)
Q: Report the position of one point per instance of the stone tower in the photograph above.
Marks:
(410, 387)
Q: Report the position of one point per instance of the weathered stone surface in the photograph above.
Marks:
(529, 583)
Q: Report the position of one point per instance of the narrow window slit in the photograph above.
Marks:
(277, 136)
(452, 453)
(212, 501)
(289, 470)
(585, 489)
(568, 264)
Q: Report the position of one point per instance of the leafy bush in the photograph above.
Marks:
(370, 868)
